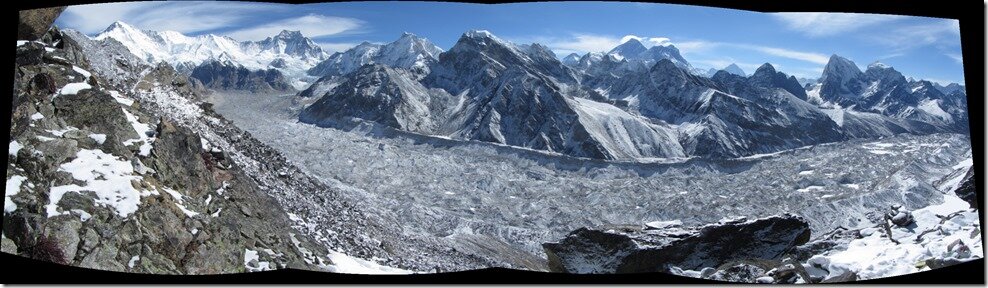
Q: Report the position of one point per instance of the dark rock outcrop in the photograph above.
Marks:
(634, 249)
(967, 191)
(32, 24)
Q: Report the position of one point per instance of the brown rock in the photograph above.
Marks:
(32, 24)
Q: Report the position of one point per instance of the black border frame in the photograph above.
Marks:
(21, 270)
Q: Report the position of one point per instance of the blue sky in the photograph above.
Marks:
(796, 43)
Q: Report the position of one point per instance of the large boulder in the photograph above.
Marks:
(641, 249)
(32, 24)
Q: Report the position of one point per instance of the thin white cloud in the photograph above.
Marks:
(312, 25)
(891, 55)
(811, 57)
(942, 32)
(820, 24)
(695, 47)
(585, 43)
(957, 57)
(184, 17)
(699, 47)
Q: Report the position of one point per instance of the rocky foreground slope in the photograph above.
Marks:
(97, 179)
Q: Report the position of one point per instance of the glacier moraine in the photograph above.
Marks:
(525, 198)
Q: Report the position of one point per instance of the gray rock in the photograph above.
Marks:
(64, 230)
(901, 218)
(88, 241)
(848, 276)
(8, 246)
(631, 249)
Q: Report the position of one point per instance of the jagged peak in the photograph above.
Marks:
(633, 42)
(122, 26)
(838, 65)
(118, 24)
(290, 34)
(835, 57)
(765, 68)
(665, 64)
(629, 48)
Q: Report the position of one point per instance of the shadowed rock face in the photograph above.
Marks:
(31, 24)
(967, 191)
(636, 249)
(229, 76)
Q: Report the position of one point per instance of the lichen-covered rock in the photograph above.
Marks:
(8, 246)
(632, 249)
(32, 24)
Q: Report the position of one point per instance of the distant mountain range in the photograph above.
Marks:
(290, 53)
(631, 103)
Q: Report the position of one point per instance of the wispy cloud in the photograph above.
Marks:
(891, 55)
(942, 32)
(312, 25)
(957, 57)
(811, 57)
(184, 17)
(700, 47)
(820, 24)
(200, 17)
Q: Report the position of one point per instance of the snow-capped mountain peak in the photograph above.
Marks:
(734, 69)
(290, 34)
(841, 68)
(572, 59)
(408, 52)
(118, 25)
(630, 48)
